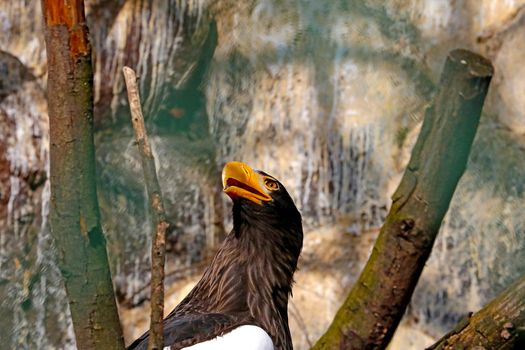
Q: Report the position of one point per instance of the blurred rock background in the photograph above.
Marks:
(326, 96)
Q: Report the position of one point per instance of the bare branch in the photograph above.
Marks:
(158, 244)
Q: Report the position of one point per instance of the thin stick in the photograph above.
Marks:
(158, 244)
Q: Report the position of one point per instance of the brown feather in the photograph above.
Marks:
(249, 280)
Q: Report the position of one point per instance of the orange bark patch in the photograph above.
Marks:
(71, 14)
(83, 227)
(79, 41)
(68, 12)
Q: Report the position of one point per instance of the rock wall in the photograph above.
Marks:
(330, 98)
(326, 96)
(31, 291)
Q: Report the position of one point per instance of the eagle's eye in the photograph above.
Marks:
(270, 184)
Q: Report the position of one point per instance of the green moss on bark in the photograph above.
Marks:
(75, 218)
(376, 303)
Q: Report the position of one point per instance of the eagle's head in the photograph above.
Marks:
(261, 201)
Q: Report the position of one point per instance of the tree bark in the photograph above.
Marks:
(75, 218)
(499, 325)
(158, 244)
(376, 303)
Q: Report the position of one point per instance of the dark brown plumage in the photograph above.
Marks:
(250, 278)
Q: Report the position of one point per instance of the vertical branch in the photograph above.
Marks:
(376, 303)
(75, 217)
(158, 246)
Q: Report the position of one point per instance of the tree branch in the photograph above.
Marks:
(75, 217)
(499, 325)
(158, 244)
(376, 303)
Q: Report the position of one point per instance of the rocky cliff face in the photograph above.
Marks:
(328, 97)
(335, 96)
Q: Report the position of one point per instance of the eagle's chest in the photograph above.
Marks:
(241, 338)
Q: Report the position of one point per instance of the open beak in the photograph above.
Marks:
(241, 181)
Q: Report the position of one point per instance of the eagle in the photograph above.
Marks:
(241, 301)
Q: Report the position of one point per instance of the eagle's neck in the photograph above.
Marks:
(252, 273)
(272, 247)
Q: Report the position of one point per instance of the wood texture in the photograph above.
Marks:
(158, 244)
(499, 325)
(75, 218)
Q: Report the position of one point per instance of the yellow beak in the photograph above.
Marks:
(241, 181)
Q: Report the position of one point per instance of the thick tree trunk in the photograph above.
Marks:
(75, 218)
(499, 325)
(375, 305)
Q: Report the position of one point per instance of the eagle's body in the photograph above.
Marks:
(250, 278)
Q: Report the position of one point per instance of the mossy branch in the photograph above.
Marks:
(160, 224)
(499, 325)
(74, 211)
(377, 302)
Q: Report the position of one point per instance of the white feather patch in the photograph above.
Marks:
(241, 338)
